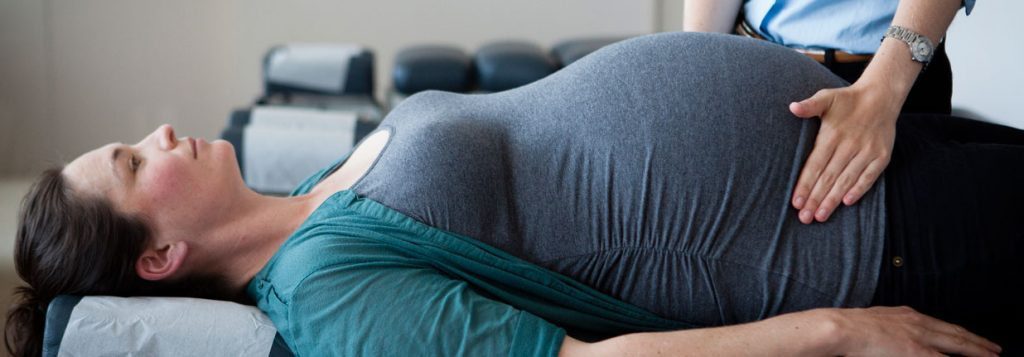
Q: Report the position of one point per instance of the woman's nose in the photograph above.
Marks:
(165, 138)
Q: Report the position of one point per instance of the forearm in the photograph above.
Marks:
(892, 69)
(710, 15)
(796, 334)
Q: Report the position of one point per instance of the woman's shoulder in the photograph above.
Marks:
(341, 247)
(344, 229)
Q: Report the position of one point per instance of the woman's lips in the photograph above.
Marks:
(192, 144)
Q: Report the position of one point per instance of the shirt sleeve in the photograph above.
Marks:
(379, 309)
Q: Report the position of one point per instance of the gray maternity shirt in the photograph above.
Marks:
(657, 170)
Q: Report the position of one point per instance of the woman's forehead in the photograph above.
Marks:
(93, 172)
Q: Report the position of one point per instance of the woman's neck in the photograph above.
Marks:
(261, 224)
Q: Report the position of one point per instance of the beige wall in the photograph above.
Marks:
(986, 52)
(75, 74)
(22, 74)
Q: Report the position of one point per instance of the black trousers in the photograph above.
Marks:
(955, 243)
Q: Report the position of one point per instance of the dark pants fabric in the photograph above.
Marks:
(932, 91)
(955, 189)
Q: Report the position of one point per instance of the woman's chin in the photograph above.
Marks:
(223, 151)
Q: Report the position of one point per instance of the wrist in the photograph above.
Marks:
(829, 335)
(880, 101)
(892, 71)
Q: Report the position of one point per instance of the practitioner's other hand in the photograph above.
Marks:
(901, 331)
(854, 144)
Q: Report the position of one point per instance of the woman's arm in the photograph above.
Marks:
(785, 335)
(858, 123)
(710, 15)
(871, 331)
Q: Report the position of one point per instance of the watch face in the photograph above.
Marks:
(921, 50)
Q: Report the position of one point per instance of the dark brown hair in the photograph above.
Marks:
(69, 244)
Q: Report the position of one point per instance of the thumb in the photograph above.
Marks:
(814, 106)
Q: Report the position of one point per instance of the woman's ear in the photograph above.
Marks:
(158, 264)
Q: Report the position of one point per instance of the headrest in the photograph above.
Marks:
(333, 69)
(278, 147)
(420, 68)
(568, 51)
(157, 326)
(509, 64)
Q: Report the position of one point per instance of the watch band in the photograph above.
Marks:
(921, 48)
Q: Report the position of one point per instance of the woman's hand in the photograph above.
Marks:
(876, 331)
(901, 331)
(853, 147)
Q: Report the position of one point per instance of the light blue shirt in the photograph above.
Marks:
(854, 26)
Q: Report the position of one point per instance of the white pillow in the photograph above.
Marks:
(159, 326)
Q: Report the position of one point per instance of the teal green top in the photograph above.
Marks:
(358, 278)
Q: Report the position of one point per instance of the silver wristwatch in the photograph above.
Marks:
(921, 48)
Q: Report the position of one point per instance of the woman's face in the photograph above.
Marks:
(174, 183)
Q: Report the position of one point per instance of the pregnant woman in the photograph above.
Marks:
(644, 188)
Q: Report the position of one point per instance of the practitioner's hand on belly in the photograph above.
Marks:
(854, 144)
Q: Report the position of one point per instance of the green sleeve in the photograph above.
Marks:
(399, 309)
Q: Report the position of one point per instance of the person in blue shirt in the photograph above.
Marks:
(631, 203)
(858, 122)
